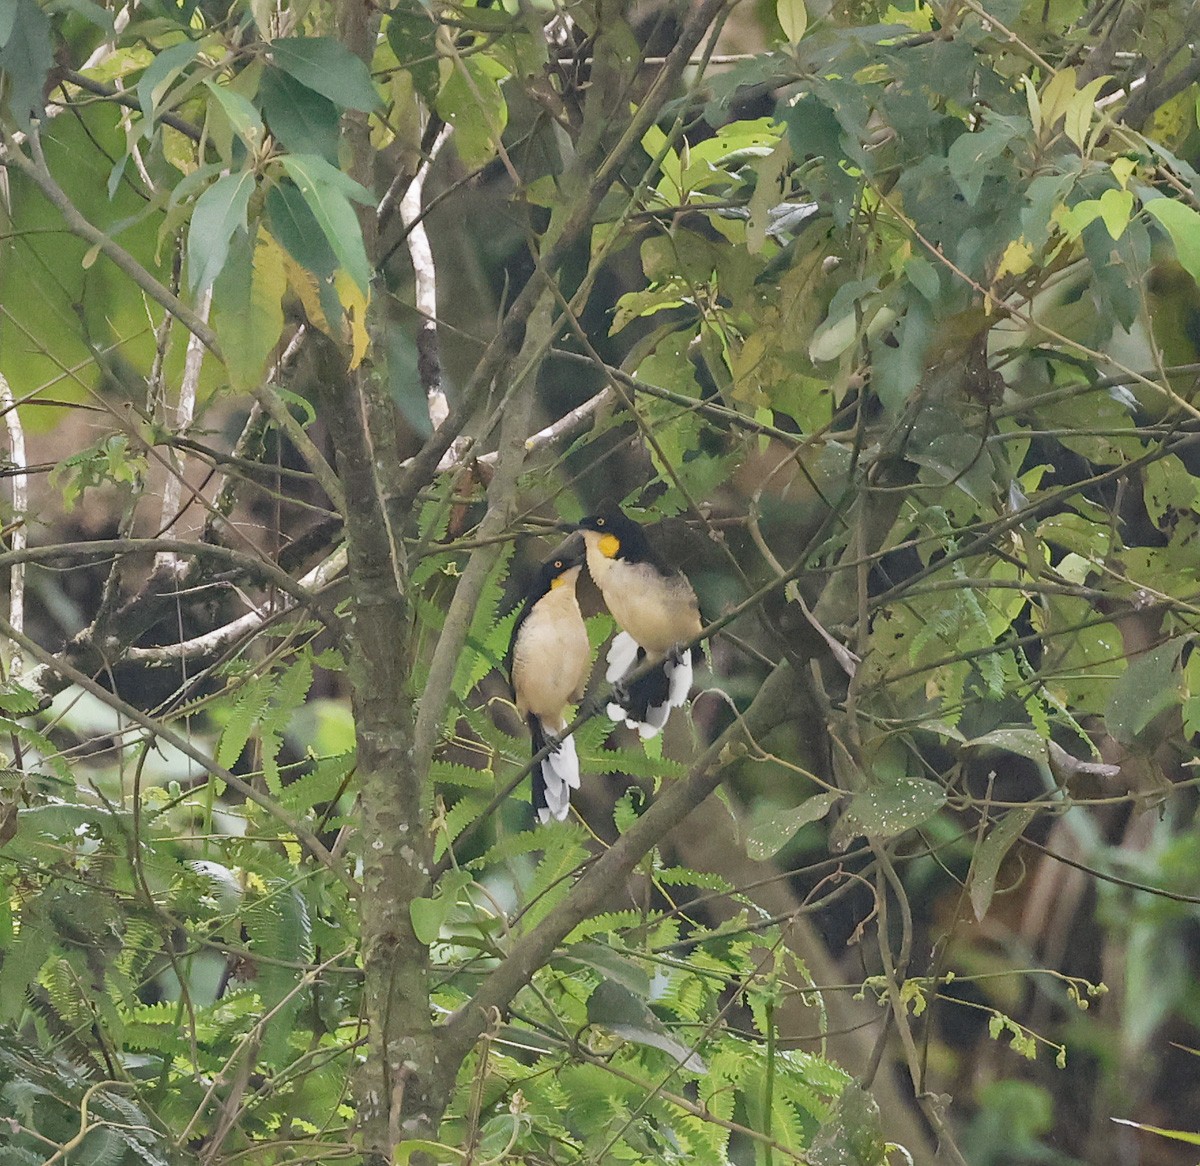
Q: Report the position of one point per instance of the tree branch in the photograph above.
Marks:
(302, 833)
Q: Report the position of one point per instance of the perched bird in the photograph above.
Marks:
(656, 609)
(549, 659)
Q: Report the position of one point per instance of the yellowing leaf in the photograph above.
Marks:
(1016, 260)
(1081, 110)
(304, 285)
(1115, 208)
(355, 325)
(1122, 170)
(1056, 95)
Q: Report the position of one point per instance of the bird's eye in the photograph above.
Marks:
(599, 521)
(558, 564)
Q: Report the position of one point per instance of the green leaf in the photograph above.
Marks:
(8, 17)
(428, 917)
(413, 37)
(327, 192)
(245, 119)
(1175, 1135)
(219, 212)
(471, 101)
(247, 310)
(768, 837)
(1149, 686)
(1023, 742)
(301, 119)
(793, 19)
(161, 72)
(1182, 223)
(26, 57)
(329, 68)
(897, 366)
(296, 227)
(619, 1010)
(991, 852)
(889, 809)
(611, 965)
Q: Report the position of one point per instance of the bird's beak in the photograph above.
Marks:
(568, 527)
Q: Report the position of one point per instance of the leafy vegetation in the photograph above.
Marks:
(317, 321)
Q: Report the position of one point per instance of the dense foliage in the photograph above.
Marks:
(317, 319)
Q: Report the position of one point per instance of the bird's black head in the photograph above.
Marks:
(556, 570)
(620, 536)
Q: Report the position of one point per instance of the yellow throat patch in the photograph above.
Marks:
(609, 545)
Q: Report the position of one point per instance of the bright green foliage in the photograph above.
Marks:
(901, 315)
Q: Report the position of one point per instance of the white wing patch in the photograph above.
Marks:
(560, 775)
(622, 656)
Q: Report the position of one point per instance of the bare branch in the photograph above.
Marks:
(429, 363)
(185, 411)
(302, 833)
(221, 638)
(20, 504)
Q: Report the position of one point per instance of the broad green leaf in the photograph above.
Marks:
(793, 19)
(991, 852)
(8, 17)
(26, 57)
(970, 156)
(852, 1134)
(899, 357)
(891, 808)
(242, 115)
(428, 918)
(769, 836)
(248, 309)
(316, 169)
(619, 1010)
(611, 965)
(161, 73)
(1149, 686)
(300, 118)
(472, 102)
(1022, 742)
(1115, 208)
(413, 37)
(329, 68)
(219, 211)
(324, 190)
(1182, 223)
(294, 225)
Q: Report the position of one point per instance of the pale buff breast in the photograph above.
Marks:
(552, 658)
(658, 612)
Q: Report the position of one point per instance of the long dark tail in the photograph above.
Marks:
(647, 702)
(555, 776)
